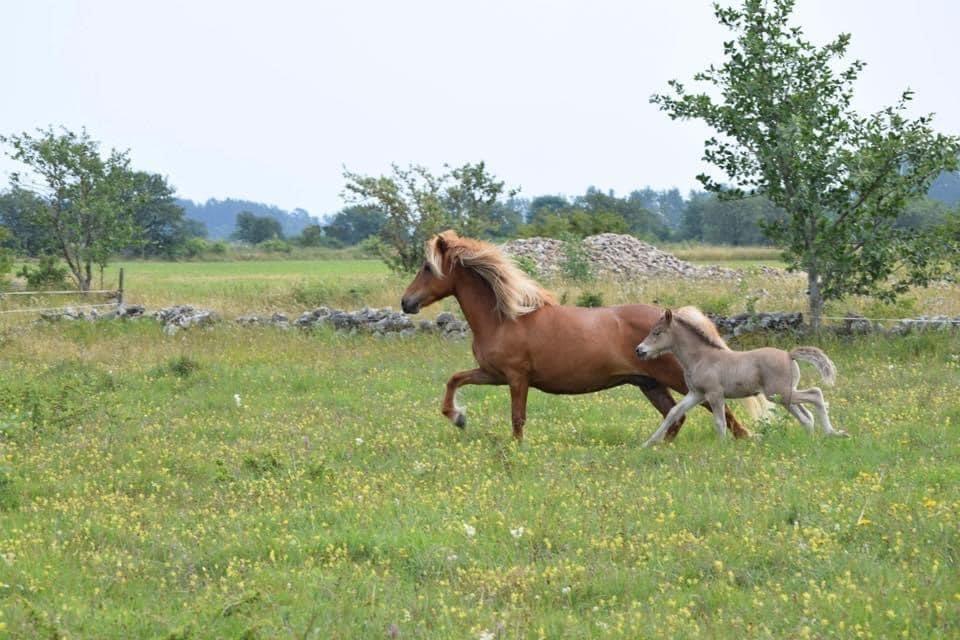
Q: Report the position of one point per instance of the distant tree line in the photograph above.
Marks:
(83, 207)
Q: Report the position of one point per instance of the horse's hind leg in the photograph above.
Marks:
(457, 414)
(718, 406)
(814, 396)
(800, 413)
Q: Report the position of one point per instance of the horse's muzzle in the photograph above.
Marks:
(642, 353)
(410, 306)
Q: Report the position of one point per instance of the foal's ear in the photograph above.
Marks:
(667, 317)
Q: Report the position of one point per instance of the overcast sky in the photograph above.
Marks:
(270, 100)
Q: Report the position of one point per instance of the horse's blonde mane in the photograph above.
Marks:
(516, 293)
(695, 319)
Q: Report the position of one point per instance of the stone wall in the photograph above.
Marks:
(389, 323)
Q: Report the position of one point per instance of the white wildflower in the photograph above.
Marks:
(517, 533)
(471, 531)
(236, 399)
(359, 441)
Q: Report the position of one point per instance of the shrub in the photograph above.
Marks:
(528, 266)
(275, 245)
(576, 263)
(590, 299)
(48, 274)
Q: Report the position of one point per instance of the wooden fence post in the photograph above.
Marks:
(120, 290)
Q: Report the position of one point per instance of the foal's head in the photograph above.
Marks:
(434, 281)
(660, 340)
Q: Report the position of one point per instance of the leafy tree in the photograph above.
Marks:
(90, 200)
(418, 204)
(160, 226)
(543, 206)
(194, 228)
(353, 224)
(19, 211)
(575, 224)
(6, 256)
(671, 206)
(737, 222)
(638, 219)
(312, 236)
(255, 229)
(923, 213)
(787, 130)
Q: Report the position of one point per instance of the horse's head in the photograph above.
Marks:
(435, 280)
(659, 340)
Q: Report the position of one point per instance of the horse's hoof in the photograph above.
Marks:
(460, 419)
(840, 433)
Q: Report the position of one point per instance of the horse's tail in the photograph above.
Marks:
(758, 407)
(819, 359)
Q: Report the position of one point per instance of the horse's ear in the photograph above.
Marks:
(445, 239)
(668, 317)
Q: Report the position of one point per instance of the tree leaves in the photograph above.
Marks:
(786, 129)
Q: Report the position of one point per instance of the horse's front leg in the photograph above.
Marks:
(689, 401)
(518, 407)
(457, 414)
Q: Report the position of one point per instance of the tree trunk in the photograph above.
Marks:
(814, 298)
(87, 277)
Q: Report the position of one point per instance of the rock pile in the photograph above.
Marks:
(381, 322)
(753, 322)
(389, 323)
(71, 313)
(184, 316)
(612, 254)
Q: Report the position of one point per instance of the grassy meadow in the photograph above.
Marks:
(250, 482)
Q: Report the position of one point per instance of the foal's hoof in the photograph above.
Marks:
(839, 433)
(460, 419)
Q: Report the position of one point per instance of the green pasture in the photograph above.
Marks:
(259, 483)
(256, 483)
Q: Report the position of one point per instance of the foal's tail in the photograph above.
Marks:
(819, 359)
(758, 407)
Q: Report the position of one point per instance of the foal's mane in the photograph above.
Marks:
(516, 293)
(701, 326)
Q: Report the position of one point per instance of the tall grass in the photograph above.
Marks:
(256, 483)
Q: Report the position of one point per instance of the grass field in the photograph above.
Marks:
(246, 286)
(257, 483)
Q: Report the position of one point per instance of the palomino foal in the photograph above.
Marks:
(714, 372)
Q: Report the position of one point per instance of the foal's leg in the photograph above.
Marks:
(800, 413)
(518, 406)
(456, 414)
(814, 396)
(659, 396)
(718, 406)
(689, 401)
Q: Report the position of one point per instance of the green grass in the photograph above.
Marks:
(137, 499)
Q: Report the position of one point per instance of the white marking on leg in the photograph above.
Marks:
(803, 416)
(689, 401)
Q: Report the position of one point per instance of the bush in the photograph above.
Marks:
(528, 265)
(275, 245)
(48, 274)
(590, 299)
(576, 263)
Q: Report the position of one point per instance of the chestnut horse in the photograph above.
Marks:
(523, 338)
